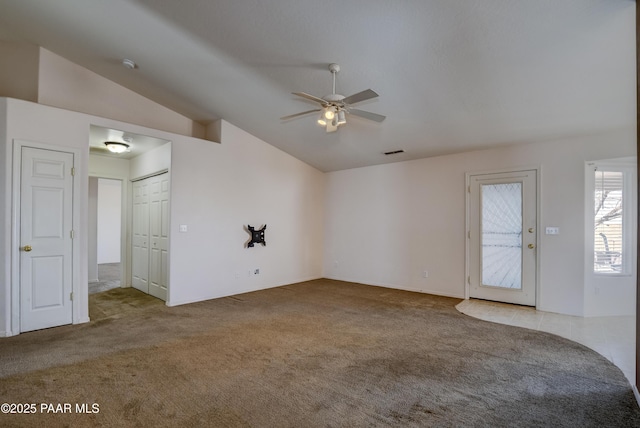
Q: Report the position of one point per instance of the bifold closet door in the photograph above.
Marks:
(150, 261)
(140, 238)
(159, 234)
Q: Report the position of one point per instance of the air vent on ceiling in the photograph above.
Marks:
(394, 152)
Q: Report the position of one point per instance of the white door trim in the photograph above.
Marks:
(15, 232)
(125, 244)
(467, 247)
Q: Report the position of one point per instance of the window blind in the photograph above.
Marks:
(608, 221)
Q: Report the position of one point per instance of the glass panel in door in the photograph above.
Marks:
(501, 235)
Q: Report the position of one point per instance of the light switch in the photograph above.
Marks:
(552, 231)
(183, 228)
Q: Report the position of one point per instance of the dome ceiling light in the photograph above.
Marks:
(117, 147)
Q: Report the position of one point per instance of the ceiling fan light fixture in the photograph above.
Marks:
(329, 114)
(116, 146)
(333, 107)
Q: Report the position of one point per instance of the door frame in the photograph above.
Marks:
(15, 232)
(125, 191)
(467, 229)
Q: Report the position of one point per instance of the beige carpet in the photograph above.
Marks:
(108, 278)
(314, 354)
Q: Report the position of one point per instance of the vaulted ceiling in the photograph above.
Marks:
(452, 75)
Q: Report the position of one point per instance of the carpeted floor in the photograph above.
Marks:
(108, 278)
(315, 354)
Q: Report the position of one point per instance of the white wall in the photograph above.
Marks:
(64, 84)
(217, 190)
(151, 162)
(19, 70)
(108, 167)
(109, 220)
(92, 231)
(386, 224)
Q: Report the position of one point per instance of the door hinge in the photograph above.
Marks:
(73, 171)
(469, 234)
(469, 280)
(468, 189)
(72, 234)
(71, 296)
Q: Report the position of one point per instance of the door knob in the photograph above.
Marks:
(531, 246)
(27, 248)
(531, 230)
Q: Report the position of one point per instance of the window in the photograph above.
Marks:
(608, 239)
(611, 219)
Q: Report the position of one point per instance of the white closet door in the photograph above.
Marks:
(159, 234)
(150, 262)
(140, 240)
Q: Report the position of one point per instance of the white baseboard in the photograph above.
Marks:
(396, 287)
(172, 303)
(635, 392)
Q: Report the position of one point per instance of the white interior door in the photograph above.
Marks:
(46, 245)
(159, 234)
(140, 238)
(502, 237)
(150, 260)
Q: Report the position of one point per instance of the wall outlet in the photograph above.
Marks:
(425, 274)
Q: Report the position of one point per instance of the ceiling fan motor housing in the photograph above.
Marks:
(334, 100)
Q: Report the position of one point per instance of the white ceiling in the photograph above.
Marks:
(453, 75)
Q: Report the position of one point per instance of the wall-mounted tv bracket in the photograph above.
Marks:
(257, 236)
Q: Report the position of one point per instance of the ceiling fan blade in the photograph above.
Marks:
(291, 116)
(310, 97)
(367, 114)
(367, 94)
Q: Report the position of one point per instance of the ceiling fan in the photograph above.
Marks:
(336, 106)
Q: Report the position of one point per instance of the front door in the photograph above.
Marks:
(502, 237)
(46, 203)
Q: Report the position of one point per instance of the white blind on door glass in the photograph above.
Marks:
(608, 233)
